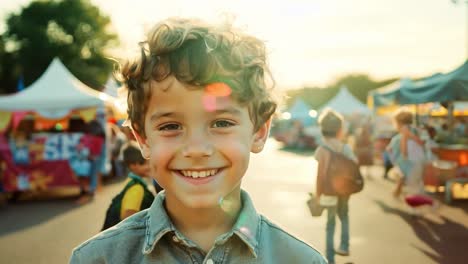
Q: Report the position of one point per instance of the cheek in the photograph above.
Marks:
(160, 154)
(160, 157)
(237, 151)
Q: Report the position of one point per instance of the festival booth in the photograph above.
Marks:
(449, 87)
(459, 109)
(43, 140)
(446, 89)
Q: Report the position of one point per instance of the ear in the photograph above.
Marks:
(142, 142)
(260, 137)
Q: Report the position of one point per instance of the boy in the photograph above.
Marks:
(198, 105)
(135, 196)
(331, 126)
(408, 154)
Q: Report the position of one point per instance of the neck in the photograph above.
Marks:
(204, 225)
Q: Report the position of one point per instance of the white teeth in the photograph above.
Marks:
(198, 174)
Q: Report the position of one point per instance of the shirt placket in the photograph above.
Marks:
(214, 256)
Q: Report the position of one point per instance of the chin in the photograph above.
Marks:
(202, 202)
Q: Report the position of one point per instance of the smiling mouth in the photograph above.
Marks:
(195, 174)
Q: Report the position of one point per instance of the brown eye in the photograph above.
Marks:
(222, 123)
(171, 126)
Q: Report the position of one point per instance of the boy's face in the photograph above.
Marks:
(198, 143)
(141, 169)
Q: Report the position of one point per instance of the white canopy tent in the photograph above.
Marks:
(345, 103)
(54, 94)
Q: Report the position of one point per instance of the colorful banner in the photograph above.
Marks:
(47, 160)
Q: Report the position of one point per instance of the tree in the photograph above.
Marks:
(358, 84)
(73, 30)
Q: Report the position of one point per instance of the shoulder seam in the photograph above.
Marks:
(266, 221)
(118, 232)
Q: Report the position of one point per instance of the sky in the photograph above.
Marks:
(312, 42)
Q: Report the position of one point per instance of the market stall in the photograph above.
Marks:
(42, 133)
(449, 89)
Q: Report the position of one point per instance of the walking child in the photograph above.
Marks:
(199, 103)
(135, 196)
(331, 126)
(407, 152)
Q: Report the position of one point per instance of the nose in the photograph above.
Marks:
(197, 145)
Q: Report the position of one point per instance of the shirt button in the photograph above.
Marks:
(175, 239)
(209, 261)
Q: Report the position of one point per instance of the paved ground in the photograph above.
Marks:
(382, 229)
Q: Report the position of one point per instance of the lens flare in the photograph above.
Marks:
(227, 205)
(214, 92)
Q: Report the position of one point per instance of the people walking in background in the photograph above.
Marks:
(363, 148)
(409, 154)
(331, 126)
(199, 104)
(406, 150)
(135, 196)
(92, 148)
(116, 141)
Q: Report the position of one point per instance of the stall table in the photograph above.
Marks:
(457, 153)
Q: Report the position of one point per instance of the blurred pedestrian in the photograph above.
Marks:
(406, 150)
(331, 125)
(363, 148)
(116, 141)
(92, 146)
(135, 196)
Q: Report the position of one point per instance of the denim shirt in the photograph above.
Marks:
(150, 237)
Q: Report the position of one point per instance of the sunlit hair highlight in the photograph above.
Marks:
(198, 54)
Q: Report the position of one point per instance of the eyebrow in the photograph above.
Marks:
(158, 115)
(228, 110)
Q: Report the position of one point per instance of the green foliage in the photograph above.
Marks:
(73, 30)
(2, 53)
(358, 84)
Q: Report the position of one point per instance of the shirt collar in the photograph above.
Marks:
(157, 224)
(247, 226)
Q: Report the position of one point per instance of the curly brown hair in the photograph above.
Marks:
(198, 54)
(403, 117)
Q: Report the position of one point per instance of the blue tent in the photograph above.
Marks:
(300, 111)
(452, 86)
(389, 94)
